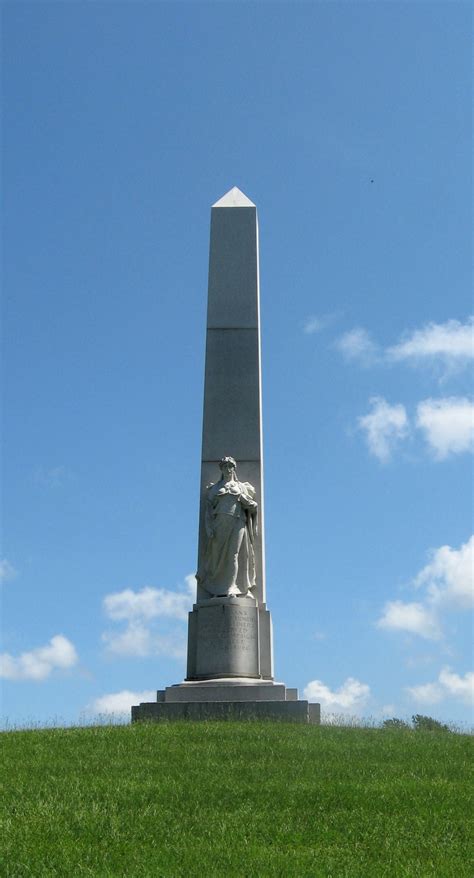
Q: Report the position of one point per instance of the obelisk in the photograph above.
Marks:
(232, 418)
(234, 640)
(230, 663)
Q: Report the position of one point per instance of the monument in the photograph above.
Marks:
(230, 655)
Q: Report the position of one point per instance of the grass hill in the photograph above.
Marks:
(235, 799)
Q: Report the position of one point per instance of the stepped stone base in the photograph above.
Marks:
(227, 699)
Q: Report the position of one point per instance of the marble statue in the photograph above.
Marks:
(228, 566)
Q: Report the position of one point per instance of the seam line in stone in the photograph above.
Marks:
(241, 460)
(230, 328)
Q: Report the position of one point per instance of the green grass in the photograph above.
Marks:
(235, 799)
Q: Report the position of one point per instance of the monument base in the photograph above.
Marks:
(227, 699)
(229, 637)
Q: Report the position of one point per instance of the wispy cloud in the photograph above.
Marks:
(448, 685)
(449, 345)
(143, 612)
(358, 346)
(447, 584)
(384, 427)
(452, 342)
(317, 324)
(119, 703)
(426, 693)
(7, 570)
(53, 477)
(39, 663)
(351, 696)
(447, 425)
(141, 641)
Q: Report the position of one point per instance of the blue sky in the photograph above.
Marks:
(349, 126)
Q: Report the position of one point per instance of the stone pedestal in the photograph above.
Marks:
(229, 637)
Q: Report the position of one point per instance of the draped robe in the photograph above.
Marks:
(228, 566)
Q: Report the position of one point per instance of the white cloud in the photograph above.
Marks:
(358, 345)
(449, 577)
(447, 583)
(120, 703)
(39, 663)
(384, 427)
(140, 641)
(448, 685)
(149, 603)
(448, 425)
(412, 617)
(426, 693)
(135, 640)
(7, 571)
(349, 697)
(456, 686)
(452, 342)
(317, 324)
(141, 610)
(449, 344)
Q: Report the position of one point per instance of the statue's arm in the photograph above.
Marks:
(246, 497)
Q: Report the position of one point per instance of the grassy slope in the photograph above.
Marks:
(235, 799)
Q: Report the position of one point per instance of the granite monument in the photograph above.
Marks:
(230, 655)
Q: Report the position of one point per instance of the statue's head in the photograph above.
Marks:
(226, 464)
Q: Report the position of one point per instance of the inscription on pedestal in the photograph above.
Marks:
(235, 630)
(227, 641)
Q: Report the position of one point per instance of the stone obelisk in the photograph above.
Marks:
(230, 660)
(232, 419)
(230, 629)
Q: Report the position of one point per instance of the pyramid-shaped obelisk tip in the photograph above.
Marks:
(234, 198)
